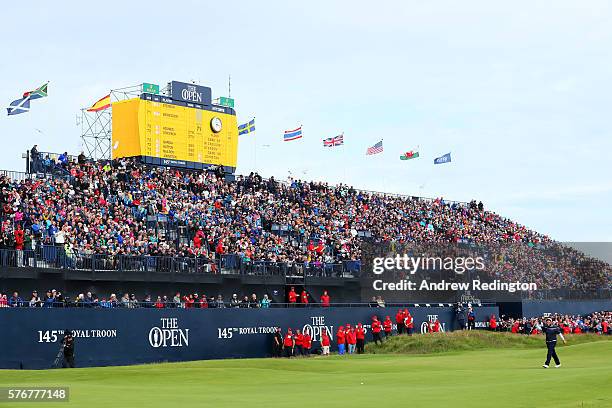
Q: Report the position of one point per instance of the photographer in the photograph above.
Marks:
(68, 346)
(460, 315)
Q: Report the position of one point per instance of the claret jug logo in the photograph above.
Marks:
(168, 334)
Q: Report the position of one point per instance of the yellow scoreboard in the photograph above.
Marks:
(166, 132)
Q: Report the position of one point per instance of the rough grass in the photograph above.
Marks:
(435, 343)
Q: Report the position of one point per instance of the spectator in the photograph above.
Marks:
(253, 302)
(34, 159)
(234, 301)
(325, 299)
(220, 303)
(265, 302)
(176, 300)
(35, 300)
(292, 297)
(15, 300)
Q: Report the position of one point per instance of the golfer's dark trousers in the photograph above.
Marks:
(551, 352)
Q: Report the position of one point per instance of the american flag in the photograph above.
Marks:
(292, 134)
(334, 141)
(377, 148)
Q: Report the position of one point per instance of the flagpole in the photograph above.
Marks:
(345, 161)
(255, 148)
(385, 177)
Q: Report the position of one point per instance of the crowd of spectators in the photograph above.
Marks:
(102, 208)
(55, 298)
(598, 323)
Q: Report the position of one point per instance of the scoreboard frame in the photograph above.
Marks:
(177, 162)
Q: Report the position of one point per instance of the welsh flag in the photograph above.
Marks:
(412, 154)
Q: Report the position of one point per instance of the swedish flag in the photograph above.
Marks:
(247, 127)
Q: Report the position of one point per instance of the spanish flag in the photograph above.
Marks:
(101, 104)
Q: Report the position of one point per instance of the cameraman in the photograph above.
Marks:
(460, 315)
(68, 344)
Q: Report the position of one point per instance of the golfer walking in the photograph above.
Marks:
(551, 333)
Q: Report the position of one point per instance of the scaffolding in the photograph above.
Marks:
(96, 127)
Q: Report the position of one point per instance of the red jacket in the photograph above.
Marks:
(436, 326)
(304, 298)
(360, 333)
(288, 342)
(292, 296)
(340, 337)
(351, 338)
(492, 323)
(387, 325)
(399, 317)
(325, 300)
(299, 340)
(409, 321)
(307, 341)
(324, 340)
(19, 238)
(375, 326)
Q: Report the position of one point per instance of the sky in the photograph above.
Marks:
(519, 93)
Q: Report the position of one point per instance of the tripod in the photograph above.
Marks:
(59, 358)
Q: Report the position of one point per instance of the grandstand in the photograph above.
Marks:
(155, 243)
(121, 215)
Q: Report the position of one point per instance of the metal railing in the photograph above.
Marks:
(214, 304)
(15, 175)
(47, 256)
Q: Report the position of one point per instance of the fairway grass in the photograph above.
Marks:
(491, 377)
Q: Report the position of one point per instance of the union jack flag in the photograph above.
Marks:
(334, 141)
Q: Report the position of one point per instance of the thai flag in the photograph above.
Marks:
(293, 134)
(334, 141)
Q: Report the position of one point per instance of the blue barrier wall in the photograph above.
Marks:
(533, 308)
(31, 337)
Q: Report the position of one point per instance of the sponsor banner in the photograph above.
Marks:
(193, 93)
(150, 88)
(32, 337)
